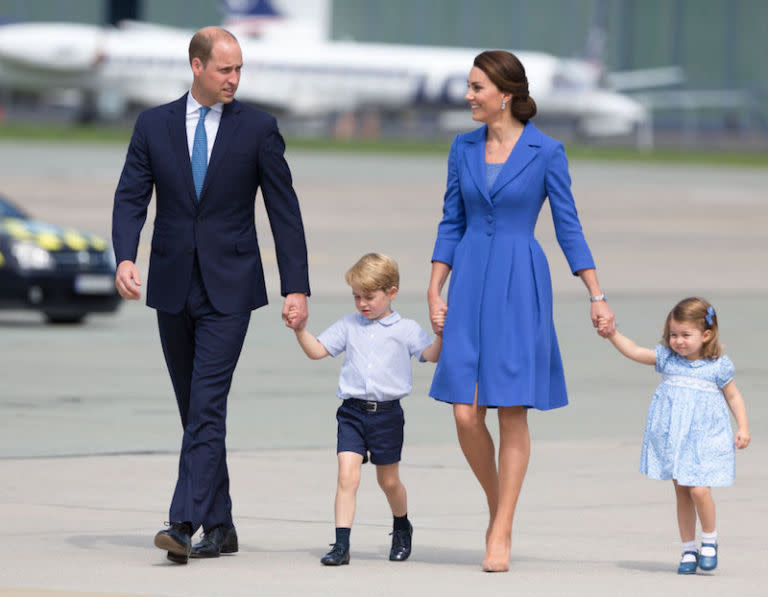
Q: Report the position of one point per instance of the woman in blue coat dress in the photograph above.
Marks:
(499, 343)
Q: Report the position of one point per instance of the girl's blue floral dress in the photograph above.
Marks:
(688, 436)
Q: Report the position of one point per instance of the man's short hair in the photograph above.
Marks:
(201, 44)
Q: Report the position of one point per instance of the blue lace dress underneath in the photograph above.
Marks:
(688, 435)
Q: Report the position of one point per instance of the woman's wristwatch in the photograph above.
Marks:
(598, 298)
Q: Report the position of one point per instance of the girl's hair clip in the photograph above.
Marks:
(709, 317)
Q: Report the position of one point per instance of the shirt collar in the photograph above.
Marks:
(693, 364)
(193, 105)
(387, 321)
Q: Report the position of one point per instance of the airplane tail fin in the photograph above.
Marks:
(301, 19)
(638, 79)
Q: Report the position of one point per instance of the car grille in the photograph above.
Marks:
(78, 261)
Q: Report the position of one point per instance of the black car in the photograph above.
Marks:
(61, 272)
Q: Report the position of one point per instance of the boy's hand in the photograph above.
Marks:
(292, 319)
(742, 438)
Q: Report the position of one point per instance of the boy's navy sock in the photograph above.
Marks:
(400, 523)
(342, 536)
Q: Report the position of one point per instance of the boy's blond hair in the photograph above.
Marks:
(373, 272)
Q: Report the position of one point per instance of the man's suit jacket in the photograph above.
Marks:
(220, 228)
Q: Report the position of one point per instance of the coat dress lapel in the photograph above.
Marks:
(475, 157)
(526, 148)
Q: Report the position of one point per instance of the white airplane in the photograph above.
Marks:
(291, 67)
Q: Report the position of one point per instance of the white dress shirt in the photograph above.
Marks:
(212, 120)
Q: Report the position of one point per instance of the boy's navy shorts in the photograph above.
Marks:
(375, 427)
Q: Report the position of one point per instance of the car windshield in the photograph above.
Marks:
(8, 210)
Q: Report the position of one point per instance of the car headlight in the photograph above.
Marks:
(31, 256)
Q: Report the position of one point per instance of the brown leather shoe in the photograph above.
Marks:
(218, 540)
(176, 540)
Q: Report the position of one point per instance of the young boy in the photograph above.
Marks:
(375, 374)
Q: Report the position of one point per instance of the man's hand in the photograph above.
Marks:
(295, 311)
(127, 280)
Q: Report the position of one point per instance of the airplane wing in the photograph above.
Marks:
(646, 78)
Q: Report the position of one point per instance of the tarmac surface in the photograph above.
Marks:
(89, 432)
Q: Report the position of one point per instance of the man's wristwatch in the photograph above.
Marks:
(598, 298)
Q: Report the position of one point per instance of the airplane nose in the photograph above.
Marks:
(58, 48)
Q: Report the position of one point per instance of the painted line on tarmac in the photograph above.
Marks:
(26, 592)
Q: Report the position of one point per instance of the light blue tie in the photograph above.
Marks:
(200, 152)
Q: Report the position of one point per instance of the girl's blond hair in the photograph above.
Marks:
(701, 313)
(373, 272)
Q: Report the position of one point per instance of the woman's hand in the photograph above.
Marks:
(437, 312)
(603, 318)
(600, 313)
(603, 327)
(438, 322)
(438, 308)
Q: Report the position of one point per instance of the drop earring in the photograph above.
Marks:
(503, 104)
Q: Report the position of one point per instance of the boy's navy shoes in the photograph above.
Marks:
(218, 540)
(176, 540)
(337, 556)
(401, 544)
(688, 564)
(708, 562)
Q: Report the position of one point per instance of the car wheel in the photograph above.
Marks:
(64, 318)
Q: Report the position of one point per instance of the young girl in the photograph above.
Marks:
(688, 436)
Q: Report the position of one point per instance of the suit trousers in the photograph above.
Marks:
(201, 348)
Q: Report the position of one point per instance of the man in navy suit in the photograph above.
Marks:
(206, 155)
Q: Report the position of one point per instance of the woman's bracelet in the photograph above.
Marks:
(598, 298)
